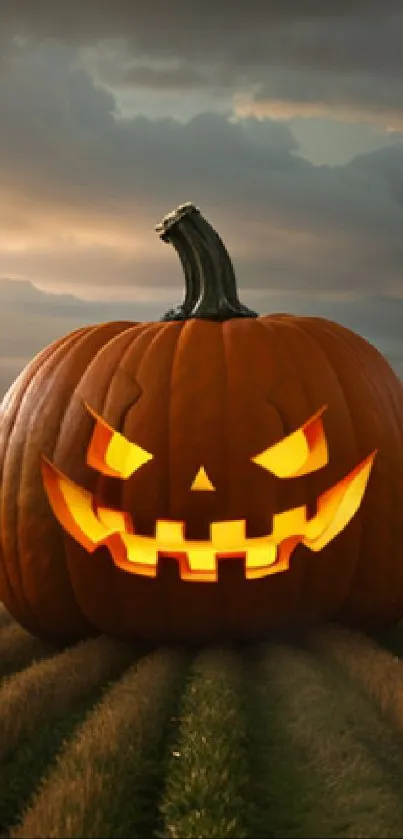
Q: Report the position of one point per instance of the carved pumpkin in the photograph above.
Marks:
(214, 474)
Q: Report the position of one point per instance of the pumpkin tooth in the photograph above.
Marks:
(202, 562)
(228, 535)
(260, 559)
(140, 550)
(169, 532)
(289, 522)
(128, 558)
(197, 576)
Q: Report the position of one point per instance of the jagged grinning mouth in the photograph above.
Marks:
(92, 525)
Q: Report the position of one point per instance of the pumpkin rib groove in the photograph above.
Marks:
(179, 338)
(111, 361)
(385, 377)
(377, 385)
(185, 328)
(119, 330)
(226, 389)
(356, 349)
(244, 340)
(278, 328)
(57, 371)
(360, 568)
(266, 325)
(250, 415)
(10, 408)
(57, 375)
(185, 379)
(285, 330)
(370, 385)
(163, 341)
(120, 425)
(301, 325)
(224, 449)
(394, 525)
(9, 462)
(95, 361)
(156, 334)
(136, 349)
(162, 336)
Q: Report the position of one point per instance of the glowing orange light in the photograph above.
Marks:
(92, 525)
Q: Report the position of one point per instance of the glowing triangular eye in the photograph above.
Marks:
(303, 451)
(111, 453)
(202, 480)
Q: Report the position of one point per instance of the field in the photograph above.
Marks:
(297, 738)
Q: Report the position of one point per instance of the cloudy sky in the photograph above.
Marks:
(282, 121)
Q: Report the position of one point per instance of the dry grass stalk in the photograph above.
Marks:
(317, 731)
(82, 795)
(206, 791)
(376, 669)
(52, 686)
(18, 648)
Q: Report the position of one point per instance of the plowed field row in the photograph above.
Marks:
(279, 739)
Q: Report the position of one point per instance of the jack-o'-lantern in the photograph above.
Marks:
(213, 474)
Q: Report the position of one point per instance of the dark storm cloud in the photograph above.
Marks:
(361, 90)
(179, 77)
(354, 34)
(145, 20)
(228, 44)
(70, 169)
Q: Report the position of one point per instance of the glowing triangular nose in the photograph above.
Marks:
(202, 481)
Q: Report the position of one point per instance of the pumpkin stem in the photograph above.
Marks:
(210, 282)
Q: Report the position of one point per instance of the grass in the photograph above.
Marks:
(206, 791)
(379, 671)
(18, 649)
(104, 779)
(289, 738)
(51, 687)
(325, 763)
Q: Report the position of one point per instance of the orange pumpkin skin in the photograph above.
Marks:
(201, 391)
